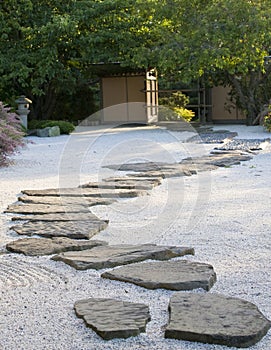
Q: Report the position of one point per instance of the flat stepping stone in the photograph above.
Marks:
(127, 184)
(111, 318)
(87, 216)
(70, 229)
(161, 170)
(212, 137)
(245, 145)
(86, 192)
(133, 177)
(140, 166)
(186, 167)
(219, 160)
(49, 246)
(115, 255)
(45, 209)
(215, 319)
(77, 201)
(173, 275)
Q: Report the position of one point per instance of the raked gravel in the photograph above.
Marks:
(224, 215)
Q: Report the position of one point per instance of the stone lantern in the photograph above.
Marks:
(23, 109)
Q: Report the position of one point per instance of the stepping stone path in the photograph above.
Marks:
(186, 167)
(64, 218)
(47, 246)
(71, 229)
(113, 318)
(215, 319)
(110, 256)
(173, 275)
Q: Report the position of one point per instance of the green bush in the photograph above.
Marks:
(65, 127)
(173, 107)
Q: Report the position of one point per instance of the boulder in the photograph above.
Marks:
(48, 132)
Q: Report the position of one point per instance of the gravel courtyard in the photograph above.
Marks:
(224, 214)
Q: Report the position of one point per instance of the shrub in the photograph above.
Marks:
(173, 107)
(65, 127)
(11, 134)
(267, 120)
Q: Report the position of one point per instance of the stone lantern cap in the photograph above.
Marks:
(23, 100)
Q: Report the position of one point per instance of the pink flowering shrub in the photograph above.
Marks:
(11, 134)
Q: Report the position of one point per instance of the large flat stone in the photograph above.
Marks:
(125, 184)
(115, 255)
(158, 170)
(215, 319)
(133, 177)
(113, 318)
(140, 166)
(70, 229)
(186, 167)
(69, 201)
(49, 246)
(86, 192)
(219, 160)
(173, 275)
(45, 209)
(59, 217)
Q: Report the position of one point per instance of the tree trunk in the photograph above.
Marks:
(43, 106)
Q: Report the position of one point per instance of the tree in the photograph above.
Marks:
(49, 47)
(38, 49)
(225, 42)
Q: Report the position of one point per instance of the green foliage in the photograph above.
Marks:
(267, 120)
(173, 107)
(48, 47)
(65, 127)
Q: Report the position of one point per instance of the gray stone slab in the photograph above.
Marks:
(215, 319)
(212, 137)
(45, 209)
(113, 318)
(86, 192)
(245, 144)
(219, 160)
(58, 217)
(48, 131)
(140, 166)
(70, 229)
(133, 177)
(115, 255)
(125, 184)
(173, 275)
(49, 246)
(186, 167)
(75, 201)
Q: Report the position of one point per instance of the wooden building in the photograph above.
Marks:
(128, 96)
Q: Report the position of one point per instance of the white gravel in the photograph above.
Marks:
(224, 215)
